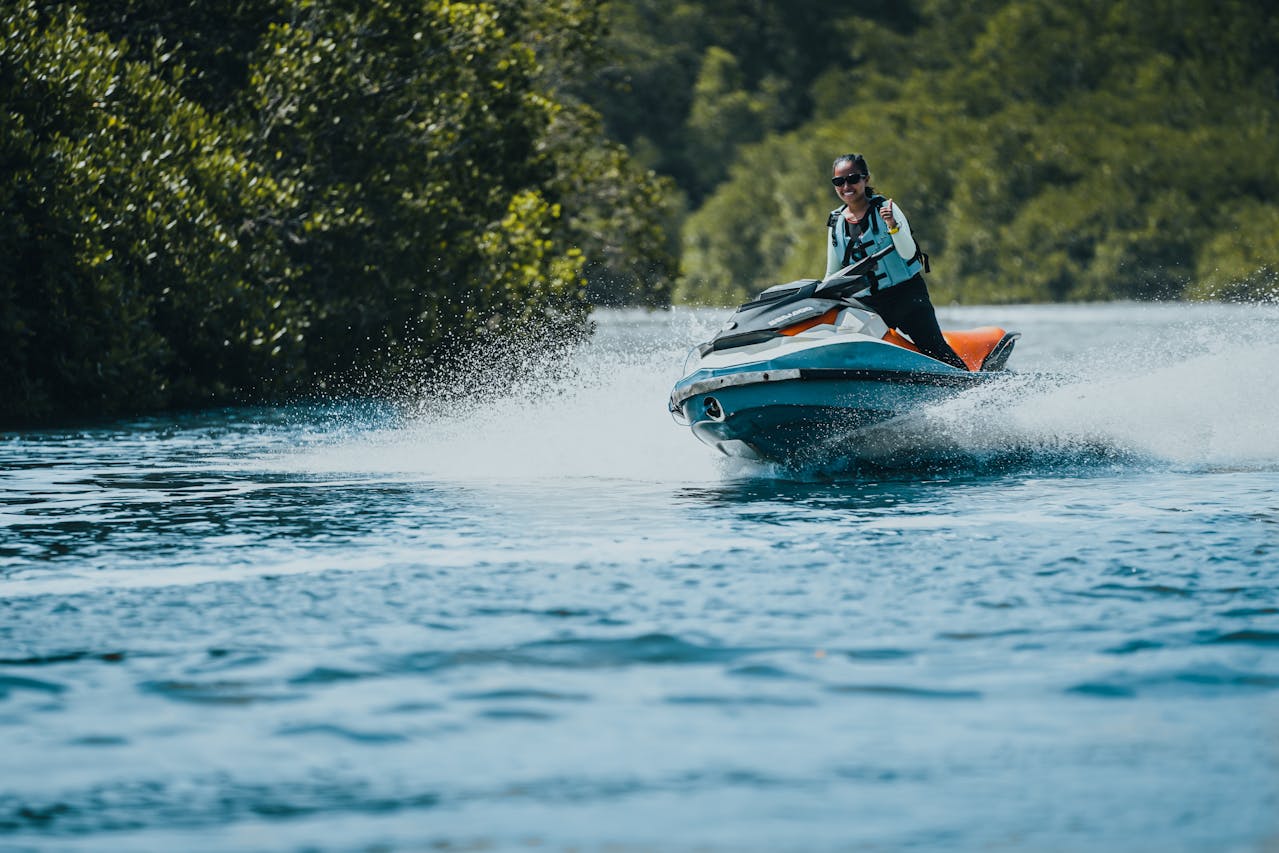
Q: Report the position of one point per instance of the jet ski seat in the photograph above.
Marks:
(983, 348)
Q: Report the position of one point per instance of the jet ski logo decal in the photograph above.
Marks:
(789, 316)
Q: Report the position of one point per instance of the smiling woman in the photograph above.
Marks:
(866, 224)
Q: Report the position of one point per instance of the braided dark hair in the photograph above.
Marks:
(860, 163)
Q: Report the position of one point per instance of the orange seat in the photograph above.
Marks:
(971, 345)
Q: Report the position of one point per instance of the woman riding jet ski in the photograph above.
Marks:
(796, 371)
(799, 369)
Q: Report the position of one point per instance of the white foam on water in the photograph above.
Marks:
(601, 415)
(1138, 382)
(1218, 408)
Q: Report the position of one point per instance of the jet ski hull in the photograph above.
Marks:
(806, 403)
(795, 416)
(797, 371)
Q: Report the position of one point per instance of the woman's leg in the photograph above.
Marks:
(906, 306)
(921, 325)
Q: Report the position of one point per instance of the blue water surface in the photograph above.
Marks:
(548, 619)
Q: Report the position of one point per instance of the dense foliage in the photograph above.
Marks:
(226, 201)
(1043, 150)
(691, 81)
(130, 273)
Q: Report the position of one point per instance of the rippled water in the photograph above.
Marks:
(551, 620)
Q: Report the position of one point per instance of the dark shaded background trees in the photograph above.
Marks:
(1044, 151)
(227, 201)
(130, 271)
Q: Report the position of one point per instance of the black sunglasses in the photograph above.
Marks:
(840, 180)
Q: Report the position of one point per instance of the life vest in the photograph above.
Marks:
(892, 269)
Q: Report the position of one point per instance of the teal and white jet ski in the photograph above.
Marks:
(797, 371)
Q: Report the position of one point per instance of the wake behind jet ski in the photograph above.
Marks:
(798, 370)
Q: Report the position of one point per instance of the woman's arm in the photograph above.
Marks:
(895, 219)
(832, 257)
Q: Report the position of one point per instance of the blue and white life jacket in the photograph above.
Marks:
(892, 269)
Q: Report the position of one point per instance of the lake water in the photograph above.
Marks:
(551, 620)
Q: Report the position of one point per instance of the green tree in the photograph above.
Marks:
(761, 55)
(133, 273)
(411, 128)
(1043, 151)
(724, 116)
(213, 39)
(622, 217)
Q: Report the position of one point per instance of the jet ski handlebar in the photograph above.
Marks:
(834, 284)
(785, 305)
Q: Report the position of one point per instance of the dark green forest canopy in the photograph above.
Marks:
(1043, 150)
(224, 201)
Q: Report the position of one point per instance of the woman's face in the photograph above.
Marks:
(851, 182)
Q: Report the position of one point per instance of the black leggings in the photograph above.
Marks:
(906, 306)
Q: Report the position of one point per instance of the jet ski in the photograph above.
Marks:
(799, 370)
